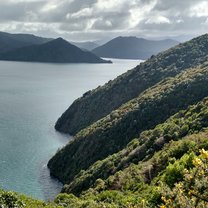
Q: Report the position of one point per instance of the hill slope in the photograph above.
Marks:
(173, 176)
(182, 162)
(113, 132)
(57, 51)
(185, 122)
(10, 41)
(133, 48)
(97, 103)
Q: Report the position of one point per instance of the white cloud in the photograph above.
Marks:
(138, 12)
(158, 20)
(86, 12)
(49, 7)
(179, 21)
(200, 9)
(95, 19)
(109, 4)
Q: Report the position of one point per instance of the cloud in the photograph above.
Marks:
(97, 19)
(200, 9)
(18, 10)
(158, 20)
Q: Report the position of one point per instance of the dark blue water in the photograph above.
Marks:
(32, 97)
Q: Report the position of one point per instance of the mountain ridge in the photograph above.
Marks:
(85, 45)
(133, 48)
(9, 41)
(57, 51)
(113, 94)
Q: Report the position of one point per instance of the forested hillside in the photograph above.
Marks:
(98, 103)
(149, 152)
(150, 148)
(186, 122)
(113, 132)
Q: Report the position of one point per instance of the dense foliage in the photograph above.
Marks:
(193, 190)
(169, 167)
(98, 103)
(187, 158)
(132, 157)
(9, 199)
(150, 152)
(185, 122)
(115, 131)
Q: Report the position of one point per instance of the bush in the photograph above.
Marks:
(193, 190)
(10, 200)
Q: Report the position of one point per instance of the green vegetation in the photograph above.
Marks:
(150, 152)
(112, 133)
(147, 183)
(142, 152)
(9, 199)
(193, 190)
(129, 188)
(98, 103)
(185, 122)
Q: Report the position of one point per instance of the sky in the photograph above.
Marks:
(82, 20)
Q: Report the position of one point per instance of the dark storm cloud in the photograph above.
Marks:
(94, 19)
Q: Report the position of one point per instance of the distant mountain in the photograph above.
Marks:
(133, 48)
(89, 45)
(10, 41)
(58, 51)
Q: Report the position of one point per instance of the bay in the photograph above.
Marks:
(32, 97)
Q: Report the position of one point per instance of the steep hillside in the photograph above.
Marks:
(181, 163)
(113, 132)
(164, 167)
(10, 41)
(185, 122)
(9, 199)
(173, 177)
(133, 48)
(97, 103)
(58, 51)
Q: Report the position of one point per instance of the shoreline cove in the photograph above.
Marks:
(33, 97)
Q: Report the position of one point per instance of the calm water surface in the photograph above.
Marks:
(32, 97)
